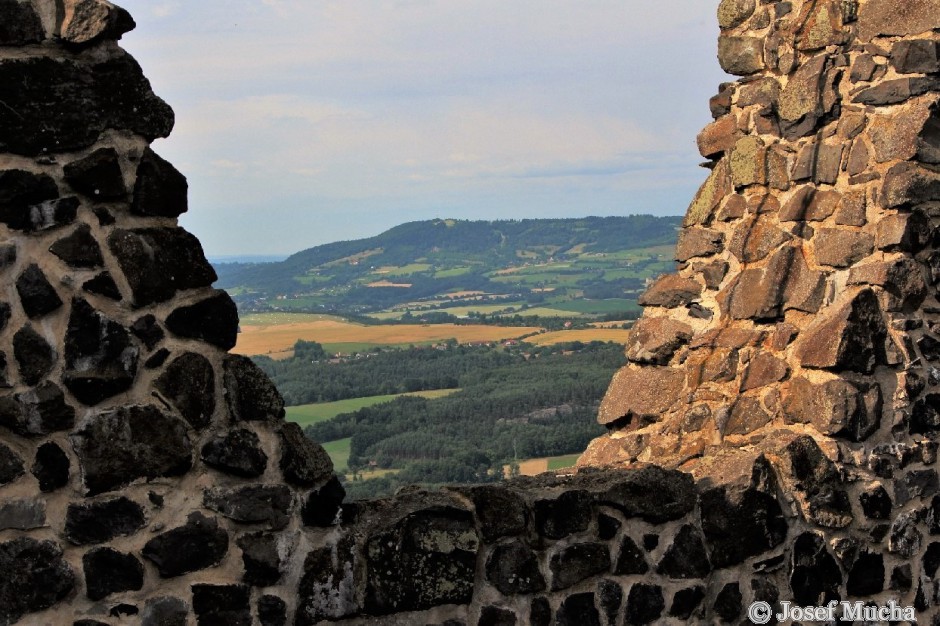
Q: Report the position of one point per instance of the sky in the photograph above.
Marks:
(301, 122)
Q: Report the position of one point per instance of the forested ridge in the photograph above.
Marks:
(421, 260)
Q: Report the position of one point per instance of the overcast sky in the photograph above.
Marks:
(300, 122)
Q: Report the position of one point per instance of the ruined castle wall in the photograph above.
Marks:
(147, 475)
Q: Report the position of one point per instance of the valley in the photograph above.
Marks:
(446, 351)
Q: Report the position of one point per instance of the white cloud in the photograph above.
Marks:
(400, 104)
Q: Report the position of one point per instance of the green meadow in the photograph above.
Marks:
(307, 414)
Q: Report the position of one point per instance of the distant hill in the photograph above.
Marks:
(438, 264)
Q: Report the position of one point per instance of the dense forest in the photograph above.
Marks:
(514, 403)
(311, 376)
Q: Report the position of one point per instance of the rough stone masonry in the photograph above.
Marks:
(773, 438)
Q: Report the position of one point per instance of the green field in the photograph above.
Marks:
(403, 270)
(541, 278)
(307, 414)
(339, 452)
(562, 462)
(598, 306)
(454, 271)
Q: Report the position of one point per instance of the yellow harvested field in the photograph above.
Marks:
(386, 283)
(616, 335)
(533, 467)
(280, 338)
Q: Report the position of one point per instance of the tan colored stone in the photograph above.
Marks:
(906, 184)
(640, 393)
(823, 204)
(607, 451)
(720, 103)
(670, 291)
(714, 273)
(756, 238)
(820, 25)
(795, 207)
(752, 295)
(902, 280)
(778, 168)
(810, 204)
(863, 69)
(852, 209)
(928, 142)
(698, 242)
(819, 163)
(716, 187)
(721, 366)
(785, 283)
(807, 97)
(762, 370)
(655, 339)
(851, 124)
(897, 17)
(85, 21)
(741, 56)
(804, 288)
(813, 481)
(729, 337)
(763, 92)
(782, 336)
(908, 232)
(839, 247)
(836, 407)
(759, 204)
(850, 336)
(766, 123)
(899, 135)
(749, 162)
(732, 13)
(747, 415)
(858, 158)
(800, 404)
(718, 137)
(917, 56)
(897, 90)
(734, 207)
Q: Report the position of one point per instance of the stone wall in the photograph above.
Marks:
(804, 312)
(147, 476)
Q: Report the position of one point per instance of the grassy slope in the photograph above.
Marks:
(307, 414)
